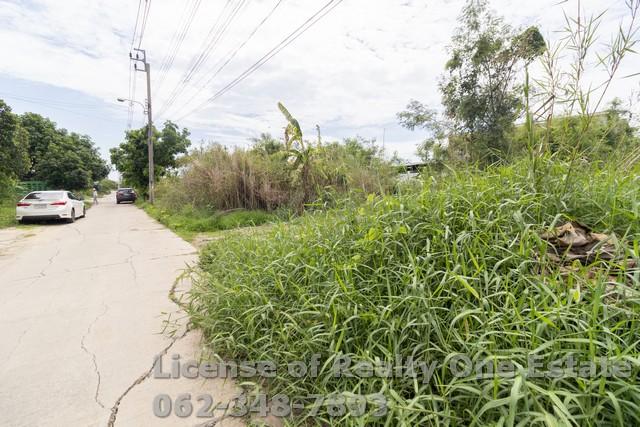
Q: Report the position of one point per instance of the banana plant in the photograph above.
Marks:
(293, 132)
(300, 157)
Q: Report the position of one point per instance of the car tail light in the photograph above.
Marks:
(59, 203)
(23, 204)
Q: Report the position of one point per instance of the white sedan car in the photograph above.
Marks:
(44, 205)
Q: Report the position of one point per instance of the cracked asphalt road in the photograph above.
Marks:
(82, 312)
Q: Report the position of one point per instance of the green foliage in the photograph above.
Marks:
(14, 155)
(293, 132)
(131, 158)
(454, 267)
(64, 167)
(480, 89)
(33, 148)
(609, 134)
(7, 213)
(107, 185)
(187, 221)
(266, 144)
(42, 133)
(417, 115)
(216, 178)
(89, 156)
(434, 148)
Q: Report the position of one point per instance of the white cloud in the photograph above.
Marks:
(351, 72)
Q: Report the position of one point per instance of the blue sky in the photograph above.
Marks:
(350, 73)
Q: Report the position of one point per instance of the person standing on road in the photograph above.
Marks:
(95, 196)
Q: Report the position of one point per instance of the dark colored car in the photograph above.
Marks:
(126, 195)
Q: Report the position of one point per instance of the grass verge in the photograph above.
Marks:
(455, 268)
(7, 214)
(189, 222)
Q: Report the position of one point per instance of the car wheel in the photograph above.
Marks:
(84, 212)
(117, 202)
(73, 217)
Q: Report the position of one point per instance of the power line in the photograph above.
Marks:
(49, 101)
(321, 13)
(131, 77)
(50, 104)
(135, 27)
(208, 45)
(194, 60)
(230, 55)
(216, 33)
(176, 43)
(143, 27)
(205, 55)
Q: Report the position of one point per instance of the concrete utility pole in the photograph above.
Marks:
(147, 70)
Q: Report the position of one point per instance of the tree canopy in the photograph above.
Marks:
(32, 147)
(131, 158)
(14, 146)
(481, 87)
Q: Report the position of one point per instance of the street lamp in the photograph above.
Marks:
(144, 107)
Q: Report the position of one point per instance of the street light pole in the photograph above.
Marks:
(147, 70)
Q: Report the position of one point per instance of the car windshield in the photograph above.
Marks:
(45, 196)
(125, 190)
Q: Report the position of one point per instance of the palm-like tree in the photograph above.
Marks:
(301, 156)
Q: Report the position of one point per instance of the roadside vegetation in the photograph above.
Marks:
(459, 262)
(33, 148)
(7, 213)
(189, 222)
(457, 267)
(131, 157)
(215, 188)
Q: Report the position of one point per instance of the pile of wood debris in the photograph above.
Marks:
(574, 242)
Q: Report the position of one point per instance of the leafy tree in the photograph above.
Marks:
(434, 147)
(267, 144)
(63, 166)
(42, 132)
(610, 132)
(480, 90)
(14, 153)
(88, 152)
(62, 159)
(131, 158)
(172, 142)
(365, 150)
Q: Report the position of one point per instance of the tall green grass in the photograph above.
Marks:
(455, 267)
(7, 213)
(189, 221)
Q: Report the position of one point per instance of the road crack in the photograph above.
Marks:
(143, 377)
(93, 355)
(129, 259)
(15, 347)
(50, 262)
